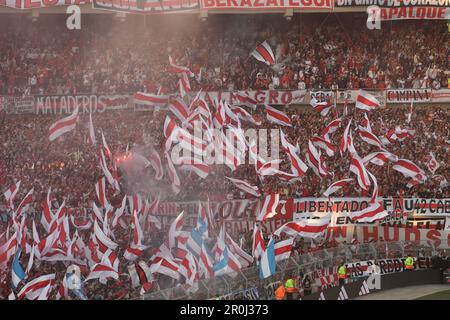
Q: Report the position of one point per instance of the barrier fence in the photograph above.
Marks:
(89, 102)
(321, 266)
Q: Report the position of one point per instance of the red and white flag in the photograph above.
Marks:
(102, 239)
(264, 53)
(306, 228)
(366, 101)
(375, 192)
(258, 246)
(408, 169)
(105, 146)
(380, 158)
(282, 249)
(155, 162)
(173, 175)
(315, 160)
(100, 190)
(205, 263)
(26, 201)
(102, 271)
(399, 134)
(166, 266)
(276, 116)
(185, 86)
(358, 168)
(91, 137)
(336, 186)
(321, 107)
(150, 99)
(179, 69)
(64, 125)
(246, 99)
(34, 288)
(179, 109)
(324, 144)
(432, 163)
(175, 229)
(246, 187)
(331, 128)
(370, 138)
(268, 207)
(372, 213)
(366, 123)
(10, 194)
(298, 167)
(344, 142)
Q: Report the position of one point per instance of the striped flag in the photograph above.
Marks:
(10, 194)
(324, 144)
(246, 187)
(370, 138)
(276, 116)
(150, 99)
(175, 180)
(322, 107)
(380, 158)
(33, 289)
(336, 186)
(307, 228)
(63, 126)
(358, 168)
(344, 142)
(264, 53)
(408, 168)
(91, 137)
(268, 264)
(366, 101)
(268, 207)
(283, 249)
(298, 167)
(258, 246)
(331, 128)
(100, 190)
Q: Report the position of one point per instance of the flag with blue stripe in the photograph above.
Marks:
(17, 274)
(268, 264)
(194, 243)
(221, 266)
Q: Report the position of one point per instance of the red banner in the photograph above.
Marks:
(267, 4)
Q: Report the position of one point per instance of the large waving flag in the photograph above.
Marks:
(336, 186)
(307, 228)
(33, 289)
(372, 213)
(366, 101)
(357, 167)
(276, 116)
(264, 53)
(268, 207)
(298, 167)
(268, 264)
(205, 263)
(64, 125)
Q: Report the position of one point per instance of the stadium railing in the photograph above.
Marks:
(305, 264)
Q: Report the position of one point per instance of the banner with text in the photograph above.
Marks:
(267, 4)
(161, 6)
(38, 4)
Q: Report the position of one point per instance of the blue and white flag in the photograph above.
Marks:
(268, 263)
(194, 243)
(17, 274)
(221, 267)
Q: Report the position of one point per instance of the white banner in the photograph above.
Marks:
(38, 4)
(408, 95)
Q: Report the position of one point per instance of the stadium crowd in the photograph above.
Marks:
(319, 52)
(107, 58)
